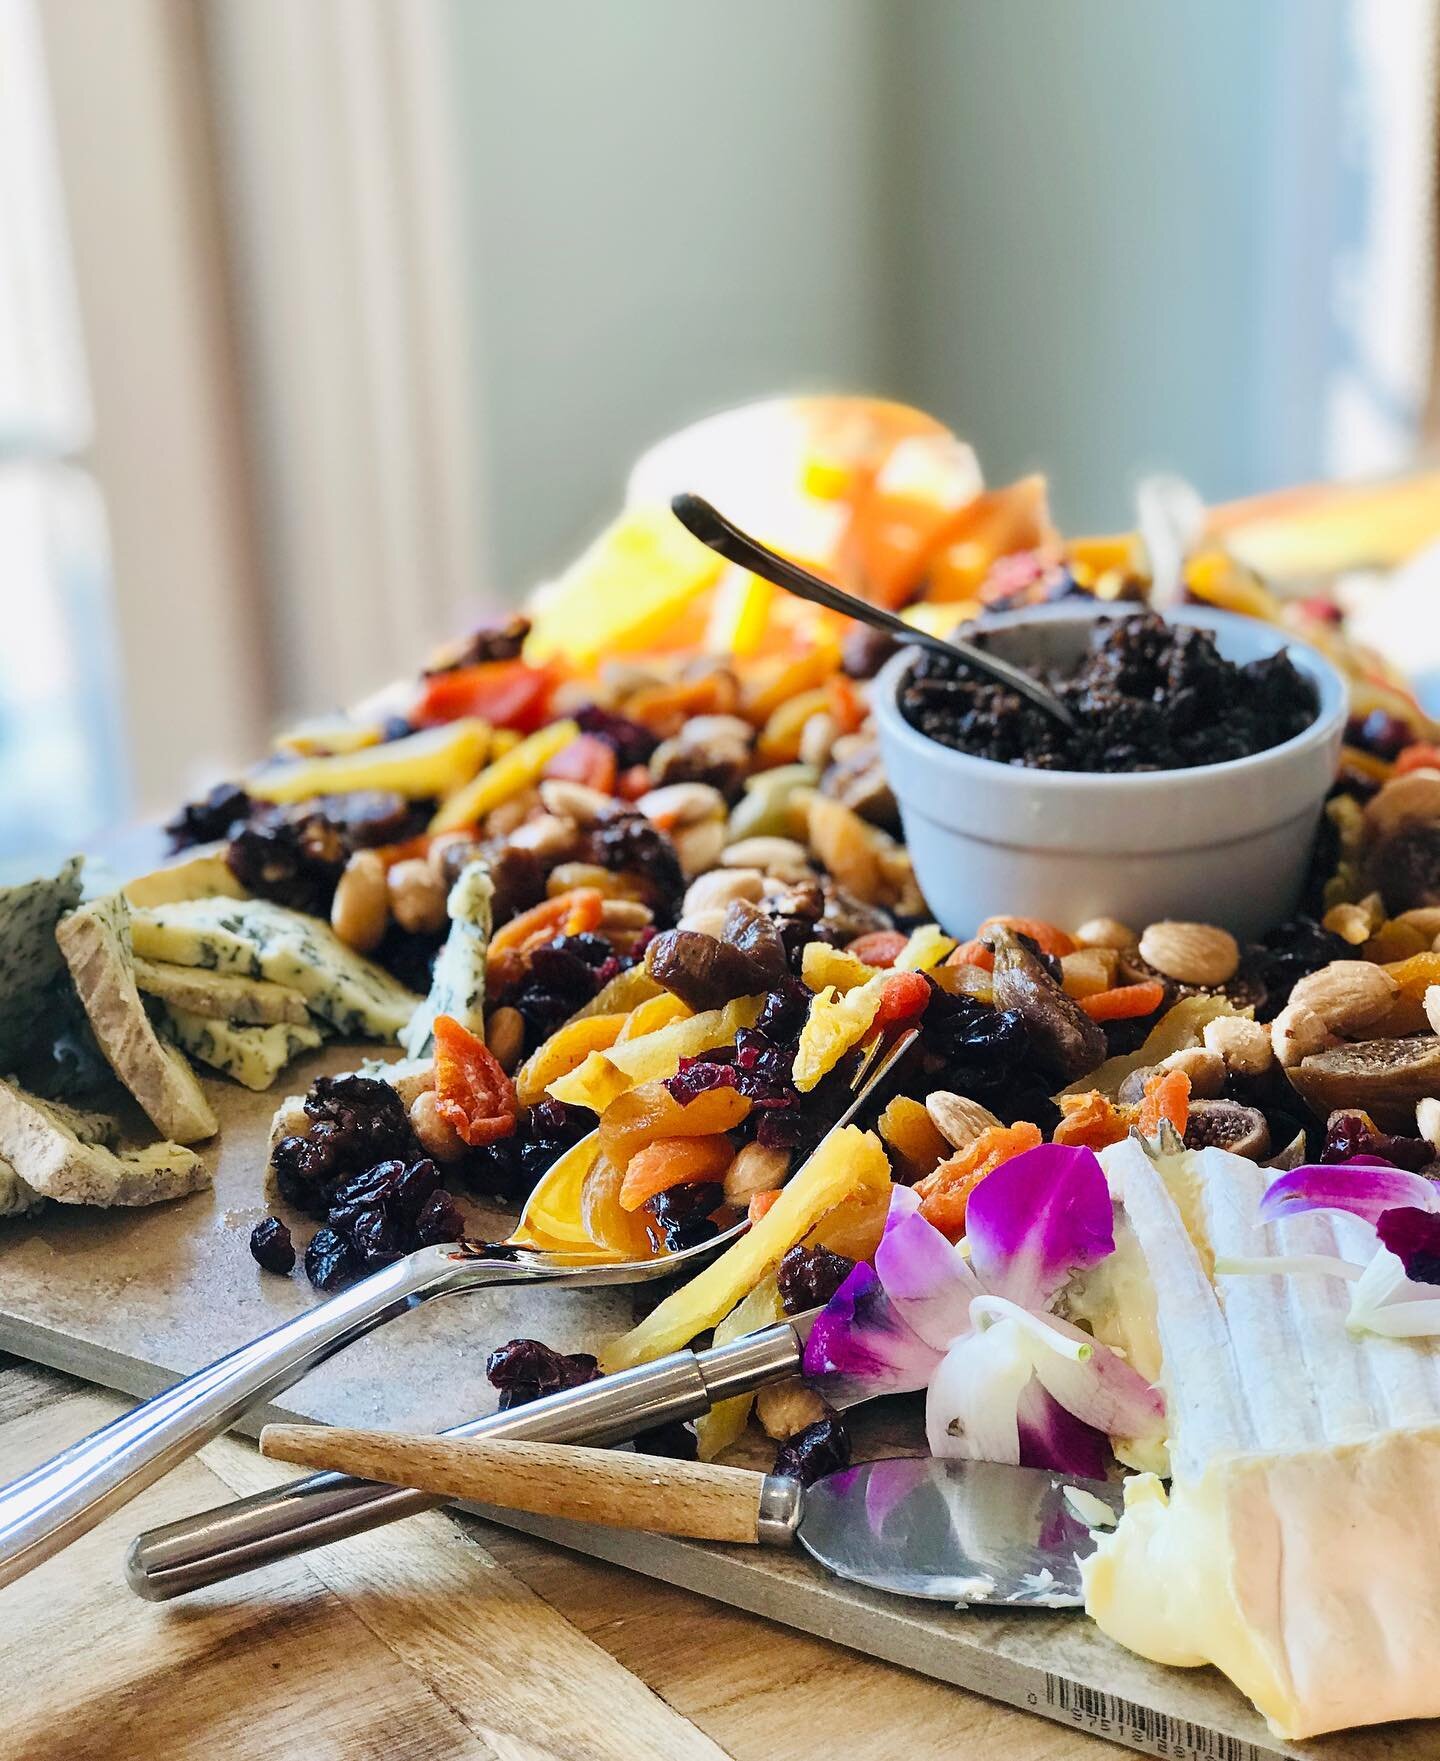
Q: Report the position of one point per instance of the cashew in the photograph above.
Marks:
(781, 857)
(567, 800)
(816, 739)
(718, 888)
(682, 804)
(360, 910)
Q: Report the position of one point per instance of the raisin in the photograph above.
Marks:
(820, 1449)
(272, 1247)
(631, 743)
(440, 1219)
(375, 1235)
(209, 819)
(629, 843)
(865, 650)
(330, 1261)
(499, 641)
(294, 861)
(526, 1369)
(1381, 734)
(809, 1276)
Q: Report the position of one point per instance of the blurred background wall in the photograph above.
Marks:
(373, 302)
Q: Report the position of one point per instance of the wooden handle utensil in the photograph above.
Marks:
(618, 1490)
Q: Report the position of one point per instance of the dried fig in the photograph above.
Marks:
(754, 935)
(704, 972)
(1226, 1125)
(1064, 1037)
(1387, 1077)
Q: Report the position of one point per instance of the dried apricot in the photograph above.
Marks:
(605, 1219)
(566, 1049)
(472, 1093)
(665, 709)
(589, 760)
(649, 1111)
(903, 995)
(909, 1130)
(568, 914)
(845, 703)
(1167, 1097)
(945, 1193)
(1125, 1002)
(881, 947)
(1421, 756)
(973, 953)
(673, 1161)
(760, 1202)
(1090, 1121)
(651, 1015)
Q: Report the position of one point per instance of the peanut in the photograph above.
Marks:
(438, 1138)
(360, 910)
(625, 914)
(1242, 1043)
(567, 800)
(505, 1036)
(783, 1408)
(781, 857)
(682, 804)
(547, 836)
(1349, 996)
(816, 739)
(1427, 1120)
(569, 875)
(1191, 953)
(504, 819)
(417, 897)
(1403, 801)
(755, 1169)
(1355, 923)
(1297, 1032)
(1106, 932)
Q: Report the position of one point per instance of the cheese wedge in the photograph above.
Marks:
(221, 996)
(40, 1143)
(259, 939)
(29, 960)
(1295, 1548)
(457, 985)
(252, 1056)
(201, 876)
(95, 941)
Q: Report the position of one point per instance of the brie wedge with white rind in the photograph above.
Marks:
(252, 1056)
(458, 985)
(222, 996)
(259, 939)
(1296, 1548)
(38, 1141)
(95, 941)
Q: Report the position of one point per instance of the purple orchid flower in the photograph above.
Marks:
(1006, 1379)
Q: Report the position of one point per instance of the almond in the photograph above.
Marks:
(958, 1119)
(1427, 1120)
(1191, 953)
(1349, 996)
(1432, 1007)
(1106, 932)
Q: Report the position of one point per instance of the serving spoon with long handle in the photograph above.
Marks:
(54, 1504)
(711, 527)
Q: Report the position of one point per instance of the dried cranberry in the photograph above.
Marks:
(272, 1247)
(415, 1188)
(809, 1276)
(696, 1076)
(440, 1219)
(409, 956)
(690, 1199)
(820, 1449)
(209, 819)
(684, 1232)
(1351, 1134)
(526, 1369)
(330, 1261)
(783, 1012)
(375, 1235)
(1413, 1236)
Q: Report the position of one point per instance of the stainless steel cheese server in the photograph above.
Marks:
(962, 1532)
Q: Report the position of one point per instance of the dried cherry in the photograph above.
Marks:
(809, 1276)
(525, 1369)
(272, 1247)
(820, 1449)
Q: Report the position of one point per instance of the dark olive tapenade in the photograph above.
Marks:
(1146, 695)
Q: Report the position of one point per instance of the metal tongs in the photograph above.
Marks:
(54, 1504)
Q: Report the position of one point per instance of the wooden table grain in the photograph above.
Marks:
(439, 1639)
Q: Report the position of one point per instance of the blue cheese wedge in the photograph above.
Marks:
(202, 876)
(222, 996)
(252, 1056)
(259, 939)
(458, 985)
(95, 941)
(39, 1142)
(30, 962)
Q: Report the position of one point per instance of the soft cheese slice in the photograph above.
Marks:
(259, 939)
(95, 941)
(457, 986)
(251, 1056)
(29, 960)
(222, 996)
(1296, 1548)
(39, 1142)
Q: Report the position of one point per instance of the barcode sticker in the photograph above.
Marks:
(1107, 1715)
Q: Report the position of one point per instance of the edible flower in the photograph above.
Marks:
(1006, 1378)
(1395, 1292)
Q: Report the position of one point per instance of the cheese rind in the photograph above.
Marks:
(457, 986)
(252, 1056)
(95, 941)
(30, 962)
(204, 875)
(47, 1154)
(222, 996)
(259, 939)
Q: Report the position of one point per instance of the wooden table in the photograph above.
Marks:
(441, 1637)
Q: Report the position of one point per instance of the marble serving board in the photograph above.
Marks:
(134, 1299)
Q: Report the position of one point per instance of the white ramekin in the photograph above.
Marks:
(1222, 843)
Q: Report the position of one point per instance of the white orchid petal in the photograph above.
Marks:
(971, 1409)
